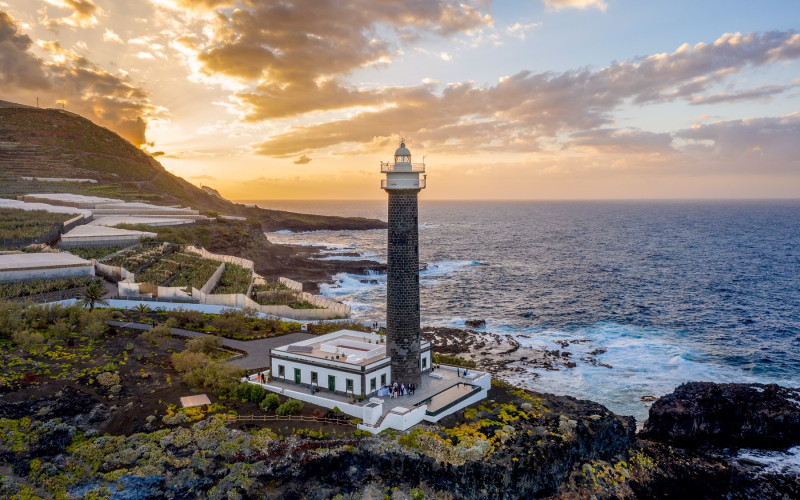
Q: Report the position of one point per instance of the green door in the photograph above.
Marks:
(297, 375)
(331, 383)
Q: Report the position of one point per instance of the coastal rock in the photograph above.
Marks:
(475, 323)
(727, 415)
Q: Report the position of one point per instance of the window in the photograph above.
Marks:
(349, 385)
(424, 363)
(281, 371)
(383, 380)
(314, 378)
(373, 383)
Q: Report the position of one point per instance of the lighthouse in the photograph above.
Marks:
(403, 183)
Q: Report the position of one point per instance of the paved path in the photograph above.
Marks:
(257, 351)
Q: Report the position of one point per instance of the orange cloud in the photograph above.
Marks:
(107, 99)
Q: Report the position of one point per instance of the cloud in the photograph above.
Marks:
(762, 93)
(298, 53)
(107, 99)
(19, 68)
(525, 112)
(83, 14)
(622, 141)
(519, 30)
(575, 4)
(762, 144)
(303, 160)
(110, 36)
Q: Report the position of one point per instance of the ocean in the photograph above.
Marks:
(666, 291)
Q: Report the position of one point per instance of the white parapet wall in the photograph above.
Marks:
(246, 263)
(291, 284)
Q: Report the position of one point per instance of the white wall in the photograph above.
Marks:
(57, 272)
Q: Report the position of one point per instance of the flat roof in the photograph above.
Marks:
(56, 209)
(74, 198)
(86, 231)
(23, 261)
(339, 336)
(152, 220)
(342, 336)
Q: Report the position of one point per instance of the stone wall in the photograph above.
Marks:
(402, 289)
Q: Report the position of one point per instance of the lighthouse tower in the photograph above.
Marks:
(403, 183)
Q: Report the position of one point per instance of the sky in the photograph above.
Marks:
(529, 99)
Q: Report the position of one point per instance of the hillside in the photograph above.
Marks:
(38, 142)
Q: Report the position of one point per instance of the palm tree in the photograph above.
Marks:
(93, 294)
(143, 309)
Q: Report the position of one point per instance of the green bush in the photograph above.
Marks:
(250, 392)
(188, 360)
(205, 344)
(291, 407)
(271, 402)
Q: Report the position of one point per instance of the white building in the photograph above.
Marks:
(29, 266)
(344, 362)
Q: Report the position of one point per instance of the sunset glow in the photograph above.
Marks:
(537, 99)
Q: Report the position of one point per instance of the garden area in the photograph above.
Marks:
(97, 253)
(164, 264)
(138, 257)
(235, 279)
(28, 288)
(17, 223)
(232, 323)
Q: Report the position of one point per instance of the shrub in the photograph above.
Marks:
(205, 344)
(156, 333)
(26, 338)
(10, 313)
(107, 379)
(95, 329)
(251, 392)
(221, 377)
(188, 317)
(187, 360)
(271, 402)
(291, 407)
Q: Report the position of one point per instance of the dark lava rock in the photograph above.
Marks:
(728, 415)
(475, 323)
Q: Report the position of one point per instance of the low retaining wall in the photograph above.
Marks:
(214, 279)
(246, 263)
(293, 285)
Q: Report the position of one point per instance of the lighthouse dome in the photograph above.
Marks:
(402, 150)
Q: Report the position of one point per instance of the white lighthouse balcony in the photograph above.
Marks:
(387, 168)
(403, 183)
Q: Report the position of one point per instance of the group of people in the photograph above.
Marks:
(396, 390)
(262, 378)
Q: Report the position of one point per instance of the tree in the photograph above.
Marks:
(92, 295)
(143, 309)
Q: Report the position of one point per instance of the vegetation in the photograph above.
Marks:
(93, 294)
(443, 359)
(17, 223)
(303, 304)
(139, 256)
(271, 402)
(235, 279)
(94, 252)
(269, 287)
(17, 289)
(291, 407)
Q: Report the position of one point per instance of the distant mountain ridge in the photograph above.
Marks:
(37, 142)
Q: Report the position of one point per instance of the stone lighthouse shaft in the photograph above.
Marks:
(402, 183)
